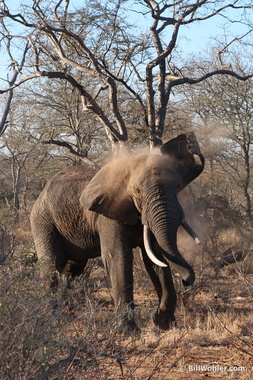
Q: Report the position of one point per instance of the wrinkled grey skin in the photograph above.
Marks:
(77, 218)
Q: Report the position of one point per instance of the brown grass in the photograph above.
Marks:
(80, 339)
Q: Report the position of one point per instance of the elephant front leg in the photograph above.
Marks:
(164, 285)
(117, 257)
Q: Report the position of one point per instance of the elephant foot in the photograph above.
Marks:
(164, 320)
(127, 325)
(129, 328)
(126, 321)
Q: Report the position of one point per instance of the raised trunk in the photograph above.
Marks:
(162, 216)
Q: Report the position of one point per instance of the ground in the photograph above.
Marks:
(213, 337)
(80, 338)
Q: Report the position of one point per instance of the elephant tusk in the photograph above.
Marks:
(147, 245)
(190, 231)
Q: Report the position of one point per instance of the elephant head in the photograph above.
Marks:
(143, 188)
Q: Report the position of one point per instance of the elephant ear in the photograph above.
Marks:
(182, 146)
(107, 194)
(185, 149)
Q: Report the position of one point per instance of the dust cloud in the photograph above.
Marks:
(118, 165)
(120, 161)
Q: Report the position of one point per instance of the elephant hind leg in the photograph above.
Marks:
(75, 270)
(50, 251)
(52, 264)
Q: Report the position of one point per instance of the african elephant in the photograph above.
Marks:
(130, 202)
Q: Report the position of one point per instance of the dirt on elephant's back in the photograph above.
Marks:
(212, 339)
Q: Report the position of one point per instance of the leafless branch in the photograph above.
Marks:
(54, 42)
(64, 144)
(15, 72)
(223, 50)
(186, 80)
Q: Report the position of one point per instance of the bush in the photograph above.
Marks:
(75, 334)
(42, 341)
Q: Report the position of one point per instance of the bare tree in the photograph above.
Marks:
(22, 159)
(62, 122)
(226, 106)
(16, 69)
(99, 41)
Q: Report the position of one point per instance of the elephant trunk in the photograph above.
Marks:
(161, 215)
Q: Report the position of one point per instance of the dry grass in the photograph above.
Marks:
(80, 339)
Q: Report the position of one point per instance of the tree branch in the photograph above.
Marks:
(16, 71)
(230, 43)
(57, 44)
(50, 32)
(64, 144)
(186, 80)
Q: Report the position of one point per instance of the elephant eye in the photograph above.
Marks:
(156, 172)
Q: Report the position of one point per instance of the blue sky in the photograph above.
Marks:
(192, 39)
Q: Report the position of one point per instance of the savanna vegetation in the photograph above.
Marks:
(88, 80)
